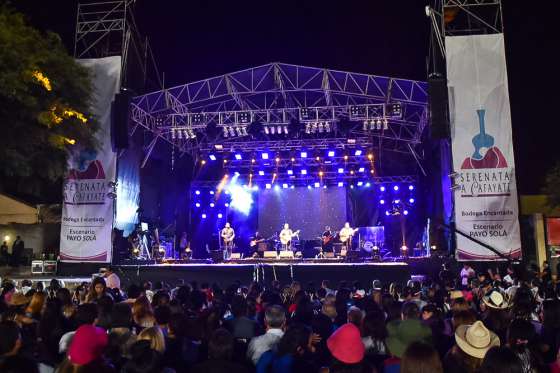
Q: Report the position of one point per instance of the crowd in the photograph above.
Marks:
(469, 322)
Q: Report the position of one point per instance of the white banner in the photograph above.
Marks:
(486, 206)
(87, 212)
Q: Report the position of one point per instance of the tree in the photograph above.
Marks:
(45, 113)
(552, 186)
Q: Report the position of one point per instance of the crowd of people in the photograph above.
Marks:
(460, 322)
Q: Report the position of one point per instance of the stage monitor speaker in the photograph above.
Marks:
(438, 105)
(120, 115)
(352, 255)
(328, 254)
(37, 266)
(49, 266)
(236, 256)
(217, 256)
(270, 254)
(286, 254)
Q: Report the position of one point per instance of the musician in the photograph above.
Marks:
(286, 236)
(227, 234)
(254, 244)
(327, 240)
(346, 234)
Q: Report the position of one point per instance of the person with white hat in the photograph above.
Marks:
(471, 344)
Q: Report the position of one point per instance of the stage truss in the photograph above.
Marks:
(283, 106)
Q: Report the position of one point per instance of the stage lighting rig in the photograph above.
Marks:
(233, 131)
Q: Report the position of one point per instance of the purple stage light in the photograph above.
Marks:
(304, 172)
(268, 186)
(212, 157)
(264, 155)
(238, 157)
(197, 192)
(360, 183)
(276, 187)
(411, 187)
(261, 173)
(341, 170)
(381, 201)
(331, 153)
(226, 205)
(340, 184)
(197, 204)
(361, 169)
(285, 186)
(382, 189)
(220, 216)
(405, 212)
(368, 185)
(212, 192)
(290, 172)
(397, 201)
(387, 213)
(317, 185)
(203, 216)
(212, 205)
(411, 200)
(396, 188)
(309, 187)
(303, 154)
(358, 152)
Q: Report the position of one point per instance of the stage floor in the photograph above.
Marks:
(304, 272)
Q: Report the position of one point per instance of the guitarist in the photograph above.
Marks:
(346, 234)
(254, 244)
(327, 240)
(286, 236)
(228, 234)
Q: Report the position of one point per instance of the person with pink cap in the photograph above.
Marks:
(346, 347)
(86, 351)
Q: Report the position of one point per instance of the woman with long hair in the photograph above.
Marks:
(155, 336)
(142, 313)
(420, 357)
(374, 333)
(35, 306)
(97, 289)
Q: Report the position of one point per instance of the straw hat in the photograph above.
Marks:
(455, 294)
(496, 299)
(475, 340)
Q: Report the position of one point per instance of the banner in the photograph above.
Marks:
(486, 206)
(87, 211)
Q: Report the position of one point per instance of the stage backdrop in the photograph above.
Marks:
(486, 206)
(308, 210)
(87, 213)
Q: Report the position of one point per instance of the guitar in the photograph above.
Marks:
(254, 243)
(327, 239)
(286, 237)
(344, 236)
(228, 235)
(481, 140)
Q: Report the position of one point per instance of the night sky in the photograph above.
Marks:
(197, 39)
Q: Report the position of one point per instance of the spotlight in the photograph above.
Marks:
(238, 157)
(382, 189)
(396, 188)
(266, 130)
(304, 172)
(293, 159)
(226, 204)
(370, 156)
(405, 212)
(397, 201)
(231, 132)
(285, 130)
(197, 192)
(285, 186)
(203, 216)
(411, 187)
(292, 187)
(279, 130)
(360, 183)
(340, 183)
(317, 185)
(361, 169)
(290, 172)
(277, 159)
(212, 192)
(212, 205)
(220, 216)
(387, 213)
(321, 173)
(357, 153)
(197, 204)
(318, 159)
(261, 173)
(381, 201)
(341, 170)
(309, 187)
(276, 187)
(331, 153)
(303, 154)
(268, 186)
(345, 157)
(411, 200)
(212, 157)
(203, 162)
(368, 185)
(264, 155)
(253, 160)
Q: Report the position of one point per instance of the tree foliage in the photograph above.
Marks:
(552, 186)
(43, 91)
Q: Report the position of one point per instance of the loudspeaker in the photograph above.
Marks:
(286, 254)
(438, 105)
(270, 254)
(119, 120)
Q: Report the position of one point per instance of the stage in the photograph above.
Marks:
(248, 270)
